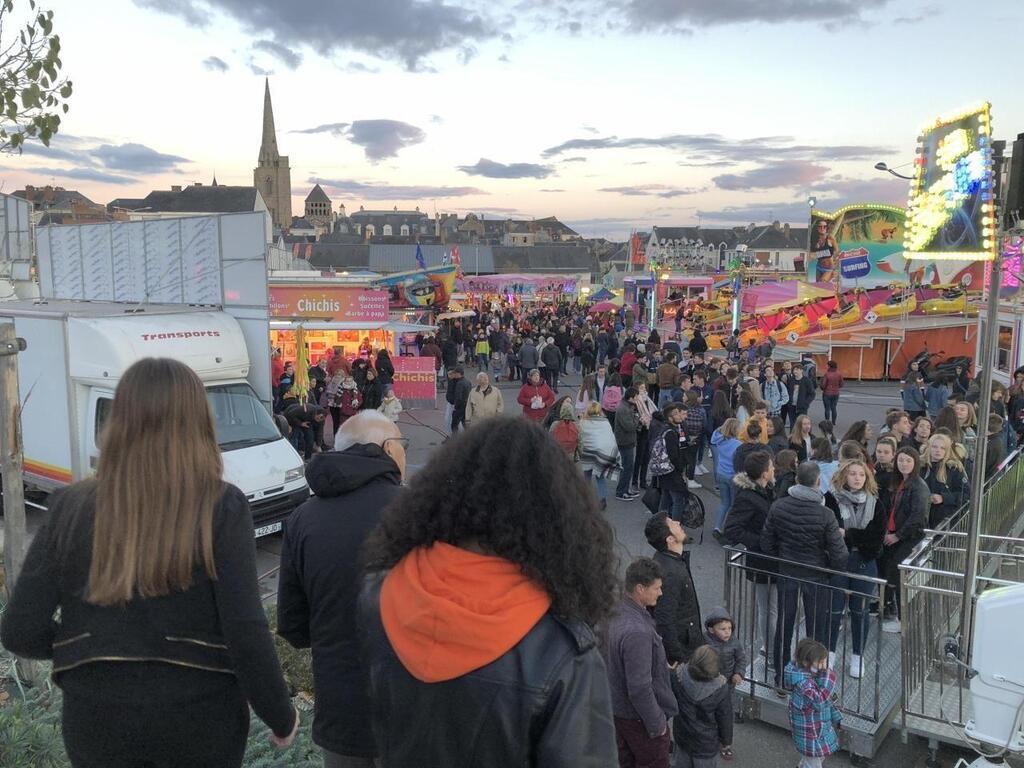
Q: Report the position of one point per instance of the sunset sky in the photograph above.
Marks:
(610, 115)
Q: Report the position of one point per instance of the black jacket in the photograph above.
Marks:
(867, 541)
(745, 521)
(208, 635)
(551, 356)
(677, 613)
(675, 447)
(698, 344)
(546, 702)
(739, 458)
(911, 510)
(373, 394)
(319, 586)
(800, 529)
(955, 492)
(804, 393)
(994, 454)
(704, 722)
(783, 482)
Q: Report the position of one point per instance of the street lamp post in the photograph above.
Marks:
(887, 169)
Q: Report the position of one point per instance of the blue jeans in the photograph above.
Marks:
(577, 362)
(674, 502)
(664, 398)
(628, 457)
(602, 484)
(860, 593)
(727, 492)
(830, 402)
(481, 362)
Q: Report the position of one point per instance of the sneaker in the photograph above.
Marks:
(625, 497)
(700, 470)
(856, 666)
(892, 626)
(693, 485)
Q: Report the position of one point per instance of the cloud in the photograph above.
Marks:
(639, 162)
(136, 158)
(712, 147)
(188, 10)
(504, 59)
(786, 173)
(215, 64)
(357, 67)
(283, 53)
(552, 190)
(645, 190)
(401, 30)
(256, 69)
(335, 129)
(884, 189)
(715, 164)
(676, 16)
(573, 160)
(384, 138)
(925, 12)
(361, 190)
(436, 119)
(379, 139)
(82, 174)
(495, 170)
(787, 211)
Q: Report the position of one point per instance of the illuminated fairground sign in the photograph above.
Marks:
(951, 210)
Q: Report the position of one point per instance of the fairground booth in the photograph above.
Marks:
(355, 319)
(486, 290)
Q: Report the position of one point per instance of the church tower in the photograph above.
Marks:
(272, 176)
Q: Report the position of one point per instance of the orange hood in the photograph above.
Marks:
(448, 611)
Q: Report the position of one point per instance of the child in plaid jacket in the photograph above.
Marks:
(812, 715)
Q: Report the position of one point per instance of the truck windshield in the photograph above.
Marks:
(240, 418)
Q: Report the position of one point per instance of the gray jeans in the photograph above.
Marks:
(334, 760)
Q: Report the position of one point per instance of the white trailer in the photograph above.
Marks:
(77, 352)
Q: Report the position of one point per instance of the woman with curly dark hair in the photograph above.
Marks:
(485, 580)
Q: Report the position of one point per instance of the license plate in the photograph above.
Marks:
(266, 530)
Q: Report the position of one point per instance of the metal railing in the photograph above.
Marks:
(934, 685)
(758, 608)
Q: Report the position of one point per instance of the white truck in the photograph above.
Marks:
(77, 352)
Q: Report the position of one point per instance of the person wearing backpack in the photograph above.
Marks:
(675, 493)
(565, 430)
(611, 397)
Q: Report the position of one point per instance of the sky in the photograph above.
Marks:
(612, 116)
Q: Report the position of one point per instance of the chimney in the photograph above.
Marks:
(785, 229)
(176, 188)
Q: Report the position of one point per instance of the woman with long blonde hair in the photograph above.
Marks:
(162, 643)
(801, 437)
(946, 478)
(853, 497)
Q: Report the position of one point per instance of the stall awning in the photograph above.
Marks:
(318, 325)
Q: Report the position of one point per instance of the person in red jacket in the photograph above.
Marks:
(831, 383)
(536, 397)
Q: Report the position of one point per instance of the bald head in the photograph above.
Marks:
(364, 428)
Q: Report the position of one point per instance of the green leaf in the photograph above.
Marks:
(65, 108)
(65, 90)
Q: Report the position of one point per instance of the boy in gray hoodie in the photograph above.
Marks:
(720, 634)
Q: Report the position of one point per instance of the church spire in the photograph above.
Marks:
(268, 148)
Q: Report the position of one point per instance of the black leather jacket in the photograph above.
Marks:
(544, 704)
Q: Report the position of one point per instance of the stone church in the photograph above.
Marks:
(272, 176)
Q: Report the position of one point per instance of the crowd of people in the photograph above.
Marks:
(471, 614)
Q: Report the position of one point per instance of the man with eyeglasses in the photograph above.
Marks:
(320, 577)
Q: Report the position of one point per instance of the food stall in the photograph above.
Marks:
(346, 316)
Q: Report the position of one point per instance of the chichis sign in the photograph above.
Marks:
(337, 303)
(414, 378)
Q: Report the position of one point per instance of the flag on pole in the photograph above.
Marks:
(419, 257)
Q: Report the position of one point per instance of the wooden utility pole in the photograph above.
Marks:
(11, 455)
(15, 534)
